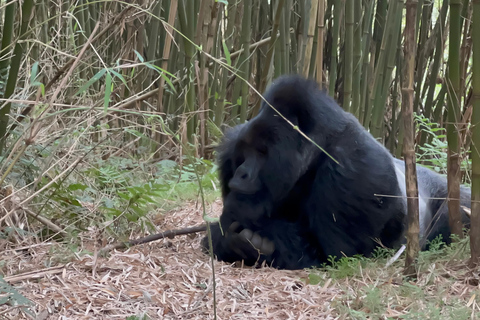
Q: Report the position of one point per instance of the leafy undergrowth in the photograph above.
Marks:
(172, 279)
(126, 191)
(116, 195)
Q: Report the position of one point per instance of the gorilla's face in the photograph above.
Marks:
(269, 158)
(249, 161)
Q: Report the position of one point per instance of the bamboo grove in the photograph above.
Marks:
(180, 70)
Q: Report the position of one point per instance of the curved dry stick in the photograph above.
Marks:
(157, 236)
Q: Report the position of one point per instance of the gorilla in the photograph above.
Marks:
(294, 202)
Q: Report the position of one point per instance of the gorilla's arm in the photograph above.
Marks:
(236, 244)
(285, 250)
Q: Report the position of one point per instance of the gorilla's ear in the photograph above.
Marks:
(228, 130)
(225, 127)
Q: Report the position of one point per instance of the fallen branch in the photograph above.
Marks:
(396, 256)
(166, 234)
(35, 274)
(46, 222)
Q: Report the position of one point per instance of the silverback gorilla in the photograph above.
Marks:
(289, 204)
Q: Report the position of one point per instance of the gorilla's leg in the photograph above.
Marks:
(433, 192)
(439, 224)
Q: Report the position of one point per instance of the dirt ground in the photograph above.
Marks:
(166, 279)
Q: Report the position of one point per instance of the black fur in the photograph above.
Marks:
(289, 204)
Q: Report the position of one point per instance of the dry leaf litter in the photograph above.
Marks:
(166, 279)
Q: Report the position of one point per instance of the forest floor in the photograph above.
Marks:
(172, 279)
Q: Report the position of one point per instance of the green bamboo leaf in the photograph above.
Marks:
(108, 91)
(148, 199)
(169, 82)
(77, 186)
(153, 67)
(124, 196)
(39, 84)
(33, 77)
(163, 74)
(114, 212)
(133, 199)
(139, 56)
(227, 53)
(34, 73)
(118, 75)
(159, 70)
(135, 133)
(94, 79)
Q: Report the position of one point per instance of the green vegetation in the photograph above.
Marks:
(117, 193)
(10, 296)
(371, 290)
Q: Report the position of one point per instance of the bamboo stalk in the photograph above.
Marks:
(387, 49)
(337, 21)
(399, 123)
(422, 51)
(153, 35)
(357, 56)
(321, 30)
(203, 22)
(301, 30)
(379, 25)
(268, 59)
(282, 44)
(475, 214)
(166, 50)
(222, 91)
(7, 34)
(348, 56)
(214, 48)
(237, 85)
(453, 103)
(413, 245)
(18, 51)
(438, 57)
(262, 29)
(312, 21)
(363, 109)
(287, 12)
(396, 92)
(187, 20)
(465, 48)
(245, 68)
(439, 34)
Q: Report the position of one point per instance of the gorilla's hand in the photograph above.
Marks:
(248, 244)
(238, 243)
